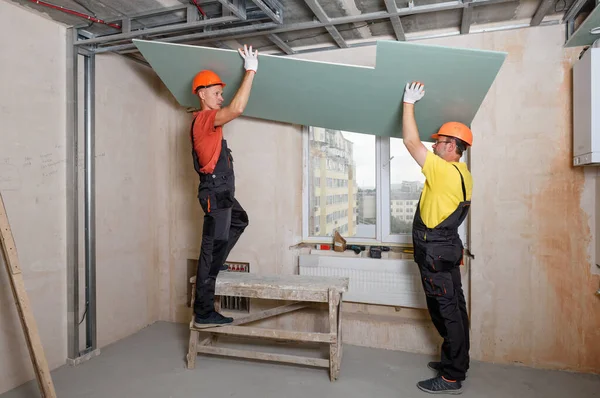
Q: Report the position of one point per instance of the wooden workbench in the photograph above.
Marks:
(302, 291)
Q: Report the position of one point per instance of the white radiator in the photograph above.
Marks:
(373, 281)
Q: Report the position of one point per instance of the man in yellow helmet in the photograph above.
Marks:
(438, 249)
(224, 218)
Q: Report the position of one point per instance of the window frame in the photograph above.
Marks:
(383, 235)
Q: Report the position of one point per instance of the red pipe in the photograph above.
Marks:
(72, 12)
(199, 9)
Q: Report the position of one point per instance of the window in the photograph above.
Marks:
(343, 168)
(406, 184)
(364, 186)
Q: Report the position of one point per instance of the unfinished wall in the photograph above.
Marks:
(32, 184)
(129, 199)
(132, 114)
(532, 288)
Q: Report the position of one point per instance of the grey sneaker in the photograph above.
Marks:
(213, 319)
(438, 385)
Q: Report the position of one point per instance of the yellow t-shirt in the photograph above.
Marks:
(442, 191)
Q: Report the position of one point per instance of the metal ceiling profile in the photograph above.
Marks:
(230, 13)
(266, 19)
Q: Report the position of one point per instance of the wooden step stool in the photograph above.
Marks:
(301, 290)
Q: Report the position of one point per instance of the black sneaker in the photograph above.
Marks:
(213, 319)
(438, 385)
(435, 366)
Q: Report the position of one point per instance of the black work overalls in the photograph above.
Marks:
(438, 252)
(224, 222)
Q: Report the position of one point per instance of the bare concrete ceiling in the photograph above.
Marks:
(305, 25)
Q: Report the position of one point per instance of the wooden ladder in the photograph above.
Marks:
(34, 344)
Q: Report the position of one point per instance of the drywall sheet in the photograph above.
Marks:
(583, 36)
(343, 97)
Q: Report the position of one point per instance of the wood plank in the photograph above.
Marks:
(263, 356)
(256, 316)
(8, 242)
(275, 334)
(192, 350)
(340, 345)
(277, 287)
(207, 341)
(286, 282)
(32, 337)
(333, 325)
(273, 293)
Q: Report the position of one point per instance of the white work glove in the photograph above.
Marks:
(413, 92)
(250, 59)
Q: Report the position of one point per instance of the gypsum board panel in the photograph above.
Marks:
(337, 96)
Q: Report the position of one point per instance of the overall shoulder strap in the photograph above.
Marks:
(192, 130)
(195, 158)
(462, 182)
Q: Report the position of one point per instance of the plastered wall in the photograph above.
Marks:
(133, 114)
(532, 285)
(32, 184)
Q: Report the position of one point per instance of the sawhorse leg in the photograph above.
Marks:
(335, 328)
(194, 335)
(192, 349)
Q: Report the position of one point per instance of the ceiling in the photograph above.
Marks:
(293, 26)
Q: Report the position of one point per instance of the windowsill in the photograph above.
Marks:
(364, 255)
(353, 241)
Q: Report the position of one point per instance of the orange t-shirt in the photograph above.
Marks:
(207, 140)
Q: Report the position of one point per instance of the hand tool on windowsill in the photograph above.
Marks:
(356, 248)
(375, 251)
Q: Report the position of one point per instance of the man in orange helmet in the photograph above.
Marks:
(438, 249)
(224, 218)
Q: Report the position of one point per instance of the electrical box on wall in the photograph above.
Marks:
(234, 303)
(586, 109)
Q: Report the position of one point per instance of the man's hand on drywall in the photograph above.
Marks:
(413, 92)
(250, 58)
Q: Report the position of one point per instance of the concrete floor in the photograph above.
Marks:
(151, 364)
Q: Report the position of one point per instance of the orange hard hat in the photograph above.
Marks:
(457, 130)
(206, 78)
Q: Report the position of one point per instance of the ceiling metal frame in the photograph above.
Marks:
(316, 8)
(228, 25)
(390, 6)
(542, 11)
